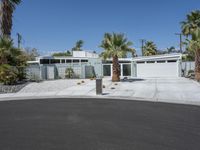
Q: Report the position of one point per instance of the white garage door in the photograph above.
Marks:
(157, 69)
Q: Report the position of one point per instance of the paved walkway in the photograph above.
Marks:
(177, 90)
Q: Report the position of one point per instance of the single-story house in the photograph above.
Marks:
(87, 65)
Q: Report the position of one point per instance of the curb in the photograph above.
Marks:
(153, 100)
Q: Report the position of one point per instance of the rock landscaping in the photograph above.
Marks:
(12, 88)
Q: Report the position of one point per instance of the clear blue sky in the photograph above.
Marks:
(50, 25)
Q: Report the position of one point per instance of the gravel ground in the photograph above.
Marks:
(12, 88)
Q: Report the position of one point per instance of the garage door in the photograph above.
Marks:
(157, 69)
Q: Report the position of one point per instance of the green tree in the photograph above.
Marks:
(78, 45)
(11, 58)
(31, 53)
(115, 46)
(171, 49)
(150, 48)
(7, 8)
(191, 27)
(62, 54)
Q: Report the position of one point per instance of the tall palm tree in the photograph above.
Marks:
(191, 27)
(149, 48)
(171, 49)
(78, 46)
(115, 46)
(6, 13)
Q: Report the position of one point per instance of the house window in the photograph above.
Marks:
(161, 61)
(140, 62)
(126, 69)
(107, 70)
(63, 61)
(171, 61)
(150, 62)
(84, 60)
(44, 61)
(68, 60)
(54, 61)
(75, 61)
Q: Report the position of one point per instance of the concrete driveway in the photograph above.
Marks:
(178, 90)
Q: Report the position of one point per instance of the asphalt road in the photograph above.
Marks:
(88, 124)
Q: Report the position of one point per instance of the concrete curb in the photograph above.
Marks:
(183, 102)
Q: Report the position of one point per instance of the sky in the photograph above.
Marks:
(55, 26)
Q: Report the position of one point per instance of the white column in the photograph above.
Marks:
(111, 70)
(121, 70)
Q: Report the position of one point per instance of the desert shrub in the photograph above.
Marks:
(69, 73)
(190, 71)
(12, 61)
(8, 74)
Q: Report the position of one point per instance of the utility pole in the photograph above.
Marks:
(142, 48)
(19, 39)
(180, 37)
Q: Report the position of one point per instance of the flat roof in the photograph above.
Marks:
(175, 56)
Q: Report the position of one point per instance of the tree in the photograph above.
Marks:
(78, 46)
(6, 13)
(115, 46)
(62, 54)
(171, 50)
(11, 58)
(191, 27)
(149, 48)
(31, 53)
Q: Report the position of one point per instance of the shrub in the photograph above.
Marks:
(190, 71)
(69, 73)
(8, 74)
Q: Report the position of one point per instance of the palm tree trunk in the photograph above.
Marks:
(6, 12)
(197, 65)
(116, 70)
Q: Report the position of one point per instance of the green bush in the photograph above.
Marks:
(69, 73)
(8, 74)
(190, 71)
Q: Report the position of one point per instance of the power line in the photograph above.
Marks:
(181, 42)
(19, 39)
(142, 48)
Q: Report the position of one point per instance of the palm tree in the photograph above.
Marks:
(149, 48)
(6, 13)
(6, 48)
(192, 24)
(171, 49)
(13, 57)
(191, 27)
(115, 46)
(78, 46)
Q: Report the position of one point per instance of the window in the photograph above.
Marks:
(75, 61)
(126, 69)
(63, 61)
(68, 60)
(150, 62)
(171, 61)
(44, 61)
(161, 61)
(107, 70)
(84, 60)
(140, 62)
(54, 61)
